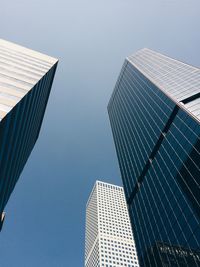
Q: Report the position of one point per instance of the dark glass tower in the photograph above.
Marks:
(26, 78)
(154, 113)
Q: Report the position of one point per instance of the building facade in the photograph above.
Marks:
(109, 240)
(154, 113)
(26, 78)
(168, 255)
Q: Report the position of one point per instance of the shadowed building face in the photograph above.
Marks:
(154, 113)
(26, 78)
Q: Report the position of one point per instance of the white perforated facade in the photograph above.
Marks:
(109, 239)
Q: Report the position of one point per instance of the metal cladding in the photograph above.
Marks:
(154, 113)
(26, 78)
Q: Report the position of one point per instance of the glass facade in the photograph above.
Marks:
(157, 139)
(26, 78)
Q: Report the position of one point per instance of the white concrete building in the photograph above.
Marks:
(109, 240)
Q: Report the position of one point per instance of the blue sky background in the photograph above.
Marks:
(45, 216)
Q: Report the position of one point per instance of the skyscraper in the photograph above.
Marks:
(26, 78)
(154, 113)
(109, 239)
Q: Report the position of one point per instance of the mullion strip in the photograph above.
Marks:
(119, 149)
(122, 147)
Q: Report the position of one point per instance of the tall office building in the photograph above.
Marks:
(26, 78)
(154, 113)
(109, 239)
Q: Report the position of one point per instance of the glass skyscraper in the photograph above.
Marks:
(109, 239)
(154, 113)
(26, 78)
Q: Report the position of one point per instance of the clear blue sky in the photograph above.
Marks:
(45, 216)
